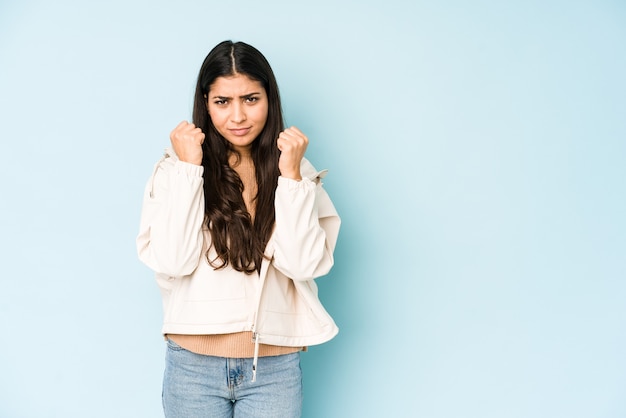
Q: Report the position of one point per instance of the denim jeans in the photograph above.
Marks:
(195, 385)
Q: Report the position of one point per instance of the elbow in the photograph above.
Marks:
(164, 263)
(177, 266)
(305, 266)
(177, 269)
(318, 270)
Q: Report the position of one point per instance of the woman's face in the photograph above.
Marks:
(238, 108)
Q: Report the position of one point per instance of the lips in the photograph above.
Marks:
(240, 131)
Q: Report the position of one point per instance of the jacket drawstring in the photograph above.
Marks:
(256, 356)
(255, 337)
(156, 168)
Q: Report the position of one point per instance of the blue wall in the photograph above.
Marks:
(477, 156)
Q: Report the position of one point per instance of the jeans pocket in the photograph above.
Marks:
(171, 345)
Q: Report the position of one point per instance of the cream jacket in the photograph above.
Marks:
(280, 305)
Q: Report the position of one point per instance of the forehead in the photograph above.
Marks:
(235, 85)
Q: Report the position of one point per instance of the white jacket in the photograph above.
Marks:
(280, 305)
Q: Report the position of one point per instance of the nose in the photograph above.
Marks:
(238, 114)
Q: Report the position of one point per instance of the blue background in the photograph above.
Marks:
(477, 156)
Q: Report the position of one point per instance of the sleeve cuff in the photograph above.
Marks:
(191, 170)
(292, 184)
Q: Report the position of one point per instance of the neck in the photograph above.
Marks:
(236, 159)
(244, 166)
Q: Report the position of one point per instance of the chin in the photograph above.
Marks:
(241, 143)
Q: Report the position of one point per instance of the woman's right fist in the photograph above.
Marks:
(187, 142)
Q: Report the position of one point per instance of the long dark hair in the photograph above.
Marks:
(237, 239)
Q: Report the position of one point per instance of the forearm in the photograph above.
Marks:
(170, 238)
(303, 243)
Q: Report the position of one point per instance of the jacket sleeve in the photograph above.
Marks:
(170, 233)
(307, 226)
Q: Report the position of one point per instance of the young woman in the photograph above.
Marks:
(236, 225)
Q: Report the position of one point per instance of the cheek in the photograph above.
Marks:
(215, 116)
(262, 115)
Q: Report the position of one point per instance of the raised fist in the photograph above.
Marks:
(292, 144)
(187, 142)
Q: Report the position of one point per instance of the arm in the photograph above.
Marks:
(170, 236)
(307, 226)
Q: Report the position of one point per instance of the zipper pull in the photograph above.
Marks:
(256, 356)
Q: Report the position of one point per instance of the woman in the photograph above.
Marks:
(236, 225)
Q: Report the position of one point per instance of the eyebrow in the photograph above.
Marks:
(245, 96)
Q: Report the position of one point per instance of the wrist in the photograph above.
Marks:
(194, 161)
(292, 175)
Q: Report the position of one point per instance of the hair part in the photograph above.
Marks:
(238, 240)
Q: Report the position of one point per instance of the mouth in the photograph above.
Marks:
(240, 131)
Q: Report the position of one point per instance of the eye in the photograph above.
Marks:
(220, 102)
(252, 99)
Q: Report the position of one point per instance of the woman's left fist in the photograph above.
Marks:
(292, 144)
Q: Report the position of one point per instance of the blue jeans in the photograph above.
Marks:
(206, 386)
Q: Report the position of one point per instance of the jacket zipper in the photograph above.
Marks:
(255, 335)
